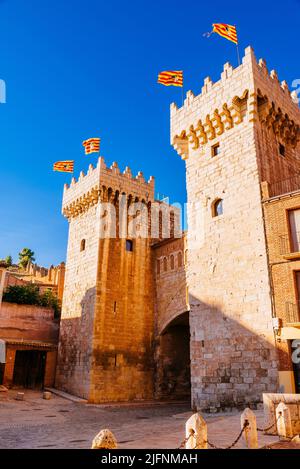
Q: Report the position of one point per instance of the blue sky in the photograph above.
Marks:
(78, 69)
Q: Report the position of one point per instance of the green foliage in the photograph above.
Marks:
(30, 295)
(26, 256)
(49, 299)
(22, 294)
(8, 260)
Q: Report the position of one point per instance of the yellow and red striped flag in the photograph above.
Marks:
(171, 78)
(227, 31)
(92, 145)
(64, 166)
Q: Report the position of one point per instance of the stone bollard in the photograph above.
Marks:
(104, 440)
(196, 431)
(296, 439)
(250, 432)
(47, 395)
(20, 396)
(284, 421)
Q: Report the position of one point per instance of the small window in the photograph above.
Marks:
(172, 224)
(160, 225)
(165, 264)
(129, 245)
(215, 150)
(158, 267)
(172, 262)
(179, 259)
(217, 208)
(82, 245)
(294, 221)
(282, 150)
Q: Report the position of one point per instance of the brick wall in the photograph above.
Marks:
(28, 323)
(282, 268)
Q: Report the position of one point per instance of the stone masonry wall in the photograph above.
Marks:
(233, 351)
(77, 319)
(105, 351)
(122, 367)
(172, 340)
(169, 258)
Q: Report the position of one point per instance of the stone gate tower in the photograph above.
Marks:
(105, 350)
(238, 134)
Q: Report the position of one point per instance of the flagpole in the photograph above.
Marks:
(238, 50)
(182, 89)
(238, 54)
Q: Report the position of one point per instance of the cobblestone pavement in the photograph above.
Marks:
(60, 423)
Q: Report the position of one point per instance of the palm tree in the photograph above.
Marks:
(26, 256)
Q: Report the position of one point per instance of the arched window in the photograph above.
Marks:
(165, 264)
(172, 262)
(82, 245)
(217, 208)
(179, 259)
(158, 266)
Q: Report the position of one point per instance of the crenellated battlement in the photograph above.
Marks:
(235, 98)
(100, 181)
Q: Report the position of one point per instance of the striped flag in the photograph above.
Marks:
(64, 166)
(92, 145)
(227, 31)
(171, 78)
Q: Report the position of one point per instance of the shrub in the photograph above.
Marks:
(49, 299)
(22, 294)
(30, 295)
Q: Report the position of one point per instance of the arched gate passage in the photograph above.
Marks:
(173, 375)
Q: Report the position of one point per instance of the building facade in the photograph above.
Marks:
(29, 334)
(46, 279)
(28, 345)
(281, 213)
(160, 313)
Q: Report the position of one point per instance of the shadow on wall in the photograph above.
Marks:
(232, 365)
(75, 347)
(96, 364)
(172, 360)
(217, 361)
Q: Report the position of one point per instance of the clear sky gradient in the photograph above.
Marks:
(78, 69)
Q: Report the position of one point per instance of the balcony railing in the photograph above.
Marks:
(285, 186)
(292, 312)
(289, 245)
